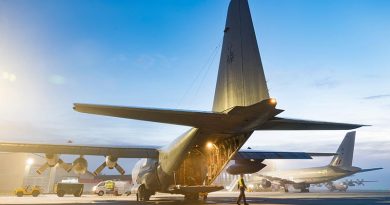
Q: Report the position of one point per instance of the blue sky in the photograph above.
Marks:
(324, 60)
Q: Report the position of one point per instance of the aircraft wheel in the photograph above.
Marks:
(60, 193)
(77, 194)
(35, 193)
(305, 190)
(203, 196)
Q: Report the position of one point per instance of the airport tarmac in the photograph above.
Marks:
(216, 199)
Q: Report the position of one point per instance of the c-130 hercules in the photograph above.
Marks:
(190, 163)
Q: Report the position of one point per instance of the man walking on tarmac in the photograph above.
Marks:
(241, 187)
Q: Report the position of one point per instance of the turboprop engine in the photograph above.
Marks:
(80, 165)
(51, 161)
(245, 167)
(111, 162)
(265, 184)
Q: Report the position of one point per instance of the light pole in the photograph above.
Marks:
(29, 163)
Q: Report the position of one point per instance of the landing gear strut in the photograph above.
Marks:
(192, 196)
(195, 196)
(143, 194)
(285, 188)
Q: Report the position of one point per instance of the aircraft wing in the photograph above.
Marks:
(296, 124)
(274, 179)
(258, 154)
(120, 152)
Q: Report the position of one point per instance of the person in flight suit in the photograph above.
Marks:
(241, 187)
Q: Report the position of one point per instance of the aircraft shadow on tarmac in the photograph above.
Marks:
(305, 199)
(259, 200)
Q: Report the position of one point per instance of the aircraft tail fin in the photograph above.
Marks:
(345, 151)
(241, 80)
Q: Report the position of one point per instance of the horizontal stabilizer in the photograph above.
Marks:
(215, 121)
(178, 117)
(296, 124)
(120, 152)
(368, 170)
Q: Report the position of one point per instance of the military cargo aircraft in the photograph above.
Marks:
(189, 165)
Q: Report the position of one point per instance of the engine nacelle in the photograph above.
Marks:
(265, 183)
(111, 162)
(245, 167)
(80, 165)
(52, 159)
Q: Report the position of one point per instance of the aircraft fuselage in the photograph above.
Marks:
(313, 175)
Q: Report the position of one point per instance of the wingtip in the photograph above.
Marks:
(76, 106)
(356, 126)
(366, 125)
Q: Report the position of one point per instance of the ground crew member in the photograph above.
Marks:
(241, 187)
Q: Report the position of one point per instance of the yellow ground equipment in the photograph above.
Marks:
(28, 190)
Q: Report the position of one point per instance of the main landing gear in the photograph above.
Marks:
(195, 196)
(143, 194)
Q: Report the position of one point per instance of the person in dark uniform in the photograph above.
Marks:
(241, 186)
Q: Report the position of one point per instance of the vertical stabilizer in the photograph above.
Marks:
(345, 151)
(241, 80)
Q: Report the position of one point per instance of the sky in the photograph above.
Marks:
(323, 60)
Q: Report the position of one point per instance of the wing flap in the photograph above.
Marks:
(121, 152)
(296, 124)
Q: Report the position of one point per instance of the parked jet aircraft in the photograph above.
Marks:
(339, 167)
(190, 163)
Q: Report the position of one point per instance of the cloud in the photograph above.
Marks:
(144, 61)
(374, 97)
(327, 82)
(154, 61)
(57, 80)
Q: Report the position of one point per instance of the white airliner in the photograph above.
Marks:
(339, 167)
(190, 163)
